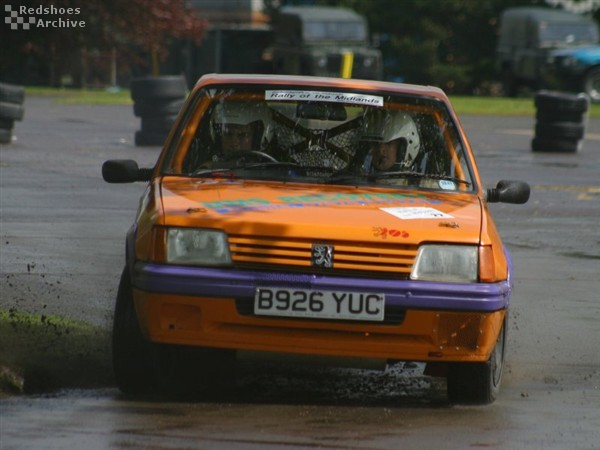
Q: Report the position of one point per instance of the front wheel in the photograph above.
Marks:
(133, 356)
(478, 383)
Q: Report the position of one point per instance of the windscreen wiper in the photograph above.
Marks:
(419, 175)
(204, 172)
(267, 165)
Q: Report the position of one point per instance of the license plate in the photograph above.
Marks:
(315, 304)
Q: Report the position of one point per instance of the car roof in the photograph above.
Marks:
(324, 82)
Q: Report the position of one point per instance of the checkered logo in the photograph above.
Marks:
(13, 19)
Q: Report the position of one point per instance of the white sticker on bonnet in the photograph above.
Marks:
(417, 212)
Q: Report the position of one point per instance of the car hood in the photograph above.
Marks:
(261, 208)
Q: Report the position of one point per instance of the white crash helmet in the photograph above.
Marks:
(387, 126)
(242, 113)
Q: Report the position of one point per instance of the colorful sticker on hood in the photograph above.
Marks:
(317, 200)
(328, 97)
(417, 213)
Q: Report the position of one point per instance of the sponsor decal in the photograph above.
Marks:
(328, 97)
(384, 233)
(417, 213)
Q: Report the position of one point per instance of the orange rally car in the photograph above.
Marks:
(314, 216)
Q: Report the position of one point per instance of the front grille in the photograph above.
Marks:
(394, 315)
(370, 260)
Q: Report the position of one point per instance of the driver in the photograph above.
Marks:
(394, 141)
(239, 127)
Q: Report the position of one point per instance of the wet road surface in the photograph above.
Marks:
(62, 235)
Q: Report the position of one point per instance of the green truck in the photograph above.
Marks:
(324, 41)
(548, 48)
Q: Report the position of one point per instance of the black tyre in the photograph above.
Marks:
(560, 102)
(478, 383)
(11, 111)
(150, 139)
(591, 84)
(160, 124)
(164, 87)
(157, 107)
(560, 130)
(7, 124)
(5, 135)
(134, 358)
(546, 145)
(11, 93)
(551, 116)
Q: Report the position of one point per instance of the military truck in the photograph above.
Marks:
(547, 48)
(318, 40)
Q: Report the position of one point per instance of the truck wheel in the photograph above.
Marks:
(478, 383)
(591, 84)
(134, 360)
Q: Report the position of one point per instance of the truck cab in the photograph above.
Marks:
(314, 40)
(547, 48)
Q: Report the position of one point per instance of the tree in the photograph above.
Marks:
(128, 30)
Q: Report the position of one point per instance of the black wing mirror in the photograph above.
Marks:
(124, 171)
(507, 191)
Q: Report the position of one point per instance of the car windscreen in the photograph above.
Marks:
(319, 135)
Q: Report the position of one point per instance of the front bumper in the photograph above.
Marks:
(425, 321)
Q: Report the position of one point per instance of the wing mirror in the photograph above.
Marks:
(124, 171)
(507, 191)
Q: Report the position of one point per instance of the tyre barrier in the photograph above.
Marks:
(156, 101)
(560, 121)
(12, 98)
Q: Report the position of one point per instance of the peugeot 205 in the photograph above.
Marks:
(313, 216)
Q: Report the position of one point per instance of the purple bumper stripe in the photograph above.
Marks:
(216, 282)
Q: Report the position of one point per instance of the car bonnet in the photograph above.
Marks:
(322, 212)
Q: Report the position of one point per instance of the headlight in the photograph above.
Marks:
(197, 246)
(451, 263)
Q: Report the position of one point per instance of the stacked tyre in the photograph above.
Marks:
(157, 101)
(560, 121)
(11, 109)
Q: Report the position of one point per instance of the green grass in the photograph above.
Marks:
(83, 96)
(464, 105)
(40, 353)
